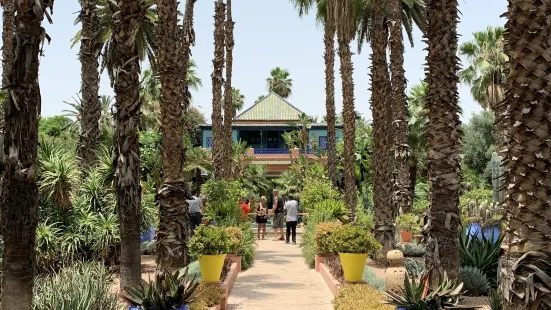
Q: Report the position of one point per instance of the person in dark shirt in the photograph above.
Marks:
(278, 215)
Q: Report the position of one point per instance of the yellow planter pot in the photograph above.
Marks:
(211, 267)
(353, 266)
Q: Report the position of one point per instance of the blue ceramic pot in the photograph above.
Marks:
(186, 307)
(491, 232)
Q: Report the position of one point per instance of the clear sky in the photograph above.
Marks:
(268, 33)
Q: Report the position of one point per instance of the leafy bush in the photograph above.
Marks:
(407, 221)
(365, 218)
(412, 249)
(248, 250)
(420, 206)
(359, 297)
(352, 238)
(334, 209)
(222, 191)
(226, 213)
(316, 191)
(236, 236)
(310, 222)
(371, 279)
(322, 236)
(208, 295)
(209, 240)
(335, 267)
(475, 280)
(167, 291)
(414, 268)
(481, 253)
(83, 286)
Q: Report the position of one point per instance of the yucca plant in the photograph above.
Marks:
(168, 291)
(57, 178)
(493, 300)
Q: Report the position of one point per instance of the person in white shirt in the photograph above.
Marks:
(291, 206)
(195, 211)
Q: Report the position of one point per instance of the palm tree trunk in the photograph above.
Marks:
(126, 146)
(383, 212)
(8, 30)
(412, 177)
(228, 95)
(402, 151)
(198, 181)
(217, 81)
(329, 41)
(90, 47)
(525, 268)
(172, 231)
(443, 136)
(19, 189)
(349, 120)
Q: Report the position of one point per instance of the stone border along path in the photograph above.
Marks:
(279, 279)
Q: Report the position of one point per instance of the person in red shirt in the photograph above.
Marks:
(245, 208)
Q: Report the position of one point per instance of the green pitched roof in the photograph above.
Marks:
(271, 108)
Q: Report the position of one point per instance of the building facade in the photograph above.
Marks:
(262, 125)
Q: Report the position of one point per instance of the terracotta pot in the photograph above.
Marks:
(406, 236)
(418, 238)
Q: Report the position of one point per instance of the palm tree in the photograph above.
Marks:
(525, 269)
(417, 125)
(19, 188)
(343, 14)
(197, 161)
(238, 101)
(486, 71)
(443, 136)
(303, 7)
(105, 122)
(218, 66)
(402, 195)
(145, 33)
(227, 141)
(279, 82)
(90, 47)
(126, 147)
(8, 30)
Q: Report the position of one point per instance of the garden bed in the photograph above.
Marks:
(333, 284)
(227, 284)
(318, 260)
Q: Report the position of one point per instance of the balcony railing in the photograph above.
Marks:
(271, 151)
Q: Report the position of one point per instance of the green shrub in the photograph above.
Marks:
(352, 238)
(83, 286)
(248, 250)
(359, 297)
(407, 221)
(322, 236)
(365, 218)
(236, 236)
(371, 279)
(222, 191)
(412, 249)
(420, 206)
(208, 295)
(308, 245)
(316, 191)
(209, 240)
(475, 280)
(226, 213)
(334, 209)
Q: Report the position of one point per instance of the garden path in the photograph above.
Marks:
(279, 279)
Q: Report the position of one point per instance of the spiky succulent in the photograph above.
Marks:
(475, 280)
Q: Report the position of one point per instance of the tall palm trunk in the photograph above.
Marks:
(172, 232)
(443, 136)
(382, 188)
(19, 189)
(329, 41)
(8, 30)
(90, 47)
(126, 146)
(217, 81)
(402, 151)
(525, 268)
(228, 95)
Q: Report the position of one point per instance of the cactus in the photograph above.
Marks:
(497, 178)
(475, 280)
(414, 268)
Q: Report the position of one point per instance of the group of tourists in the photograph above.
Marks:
(282, 212)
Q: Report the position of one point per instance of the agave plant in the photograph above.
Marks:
(481, 252)
(168, 291)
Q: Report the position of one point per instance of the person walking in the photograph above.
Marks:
(278, 215)
(291, 207)
(261, 217)
(195, 211)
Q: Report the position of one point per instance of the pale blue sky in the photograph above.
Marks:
(268, 33)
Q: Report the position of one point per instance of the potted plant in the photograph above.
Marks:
(406, 222)
(353, 243)
(417, 230)
(236, 240)
(169, 291)
(210, 244)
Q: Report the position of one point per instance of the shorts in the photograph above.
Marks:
(278, 220)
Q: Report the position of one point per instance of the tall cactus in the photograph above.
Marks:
(497, 178)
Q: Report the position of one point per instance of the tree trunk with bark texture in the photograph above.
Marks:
(382, 187)
(217, 81)
(19, 189)
(90, 47)
(228, 96)
(349, 119)
(172, 231)
(525, 268)
(329, 41)
(126, 146)
(402, 152)
(443, 137)
(8, 31)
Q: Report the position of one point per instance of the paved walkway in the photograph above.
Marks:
(279, 279)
